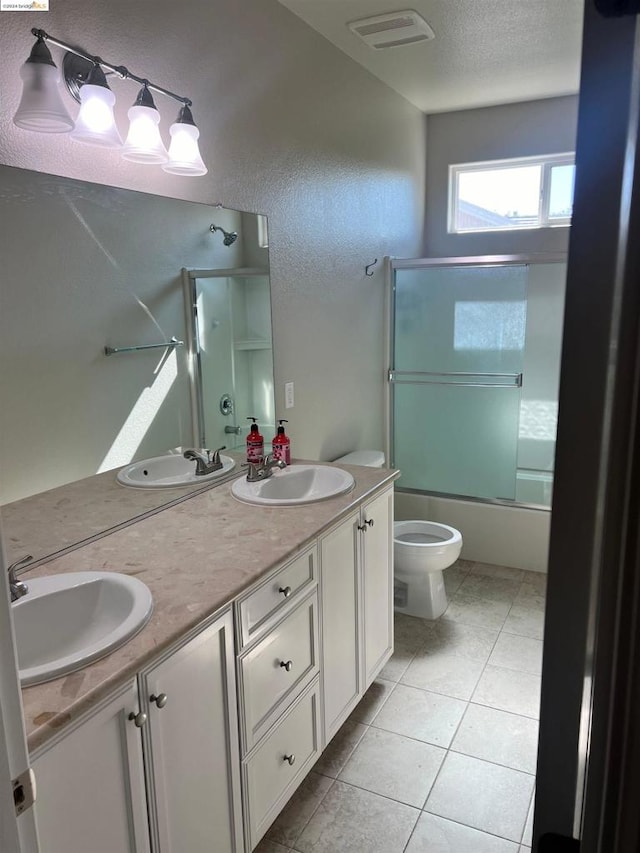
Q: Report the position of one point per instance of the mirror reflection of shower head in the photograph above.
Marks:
(229, 237)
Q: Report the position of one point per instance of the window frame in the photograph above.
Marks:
(546, 161)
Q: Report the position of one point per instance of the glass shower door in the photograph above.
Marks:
(458, 344)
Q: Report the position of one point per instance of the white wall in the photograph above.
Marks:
(291, 128)
(514, 130)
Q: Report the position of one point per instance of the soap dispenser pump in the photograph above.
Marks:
(255, 443)
(281, 444)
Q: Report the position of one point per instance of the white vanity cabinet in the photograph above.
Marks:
(181, 716)
(340, 620)
(203, 750)
(356, 582)
(90, 784)
(191, 745)
(278, 680)
(376, 545)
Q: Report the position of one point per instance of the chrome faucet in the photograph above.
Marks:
(205, 464)
(263, 469)
(17, 588)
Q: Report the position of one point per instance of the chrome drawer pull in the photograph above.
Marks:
(286, 591)
(291, 759)
(160, 699)
(287, 664)
(139, 719)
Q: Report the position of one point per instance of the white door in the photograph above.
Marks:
(17, 835)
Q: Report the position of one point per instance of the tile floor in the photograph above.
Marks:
(440, 755)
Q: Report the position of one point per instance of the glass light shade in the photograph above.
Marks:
(143, 143)
(41, 108)
(95, 123)
(184, 154)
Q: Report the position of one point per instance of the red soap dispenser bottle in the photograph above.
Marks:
(281, 444)
(255, 443)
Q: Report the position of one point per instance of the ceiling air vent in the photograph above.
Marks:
(395, 29)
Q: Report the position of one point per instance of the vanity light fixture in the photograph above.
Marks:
(41, 108)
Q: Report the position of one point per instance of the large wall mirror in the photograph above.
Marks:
(87, 267)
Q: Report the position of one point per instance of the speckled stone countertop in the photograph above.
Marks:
(195, 557)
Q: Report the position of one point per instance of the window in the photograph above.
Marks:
(500, 195)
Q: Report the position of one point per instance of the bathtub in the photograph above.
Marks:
(497, 533)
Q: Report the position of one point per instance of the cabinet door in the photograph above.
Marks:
(90, 785)
(192, 745)
(377, 581)
(339, 571)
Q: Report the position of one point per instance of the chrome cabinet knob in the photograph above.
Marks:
(139, 719)
(285, 590)
(287, 664)
(160, 699)
(291, 759)
(369, 522)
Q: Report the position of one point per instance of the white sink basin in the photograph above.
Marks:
(296, 484)
(67, 621)
(166, 472)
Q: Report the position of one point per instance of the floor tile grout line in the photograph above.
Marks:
(370, 724)
(468, 826)
(384, 796)
(411, 834)
(524, 828)
(298, 836)
(494, 763)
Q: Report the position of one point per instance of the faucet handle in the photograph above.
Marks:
(17, 565)
(17, 588)
(215, 455)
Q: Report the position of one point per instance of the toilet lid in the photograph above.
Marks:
(370, 458)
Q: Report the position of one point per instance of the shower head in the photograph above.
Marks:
(229, 237)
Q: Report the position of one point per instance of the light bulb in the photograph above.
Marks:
(41, 107)
(96, 124)
(184, 154)
(144, 143)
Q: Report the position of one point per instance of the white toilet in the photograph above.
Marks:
(421, 551)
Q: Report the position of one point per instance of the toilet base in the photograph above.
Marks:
(424, 597)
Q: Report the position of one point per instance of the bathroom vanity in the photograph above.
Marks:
(269, 625)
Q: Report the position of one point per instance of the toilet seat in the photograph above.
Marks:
(422, 550)
(425, 546)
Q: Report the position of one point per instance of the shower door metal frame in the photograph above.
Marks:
(196, 393)
(390, 267)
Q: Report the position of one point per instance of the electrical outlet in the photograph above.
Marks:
(288, 395)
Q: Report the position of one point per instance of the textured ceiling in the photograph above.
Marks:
(485, 51)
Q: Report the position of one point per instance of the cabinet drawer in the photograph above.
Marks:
(280, 763)
(274, 671)
(264, 604)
